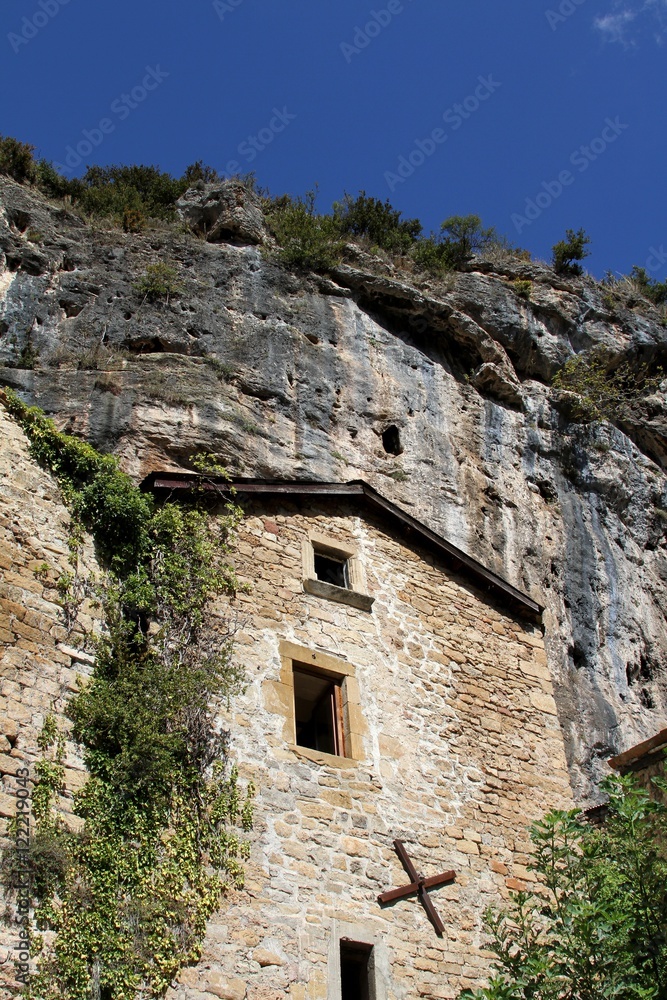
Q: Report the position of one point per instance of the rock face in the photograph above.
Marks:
(227, 212)
(437, 395)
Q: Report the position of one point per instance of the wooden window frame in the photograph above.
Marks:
(335, 707)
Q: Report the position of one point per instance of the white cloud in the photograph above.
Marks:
(624, 21)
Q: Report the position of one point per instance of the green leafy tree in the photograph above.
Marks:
(16, 159)
(596, 927)
(566, 254)
(460, 238)
(465, 236)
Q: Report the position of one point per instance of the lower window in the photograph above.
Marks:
(356, 976)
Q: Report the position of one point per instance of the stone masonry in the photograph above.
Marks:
(41, 655)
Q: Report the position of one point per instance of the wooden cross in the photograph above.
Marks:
(420, 885)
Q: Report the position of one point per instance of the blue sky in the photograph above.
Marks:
(538, 115)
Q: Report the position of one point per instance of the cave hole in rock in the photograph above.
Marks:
(18, 220)
(646, 698)
(70, 308)
(578, 656)
(391, 440)
(153, 346)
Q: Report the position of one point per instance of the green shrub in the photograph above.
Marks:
(308, 241)
(200, 172)
(654, 290)
(431, 255)
(522, 288)
(53, 184)
(377, 221)
(464, 236)
(460, 238)
(17, 160)
(566, 254)
(606, 392)
(159, 283)
(111, 191)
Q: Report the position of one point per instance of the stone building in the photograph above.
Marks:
(397, 690)
(646, 761)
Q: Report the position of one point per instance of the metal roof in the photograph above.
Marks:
(641, 755)
(366, 496)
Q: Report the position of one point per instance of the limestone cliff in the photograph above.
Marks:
(437, 394)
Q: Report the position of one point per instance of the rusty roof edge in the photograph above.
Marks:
(356, 487)
(655, 743)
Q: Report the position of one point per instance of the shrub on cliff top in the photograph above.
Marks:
(566, 254)
(307, 240)
(377, 221)
(460, 238)
(17, 160)
(654, 290)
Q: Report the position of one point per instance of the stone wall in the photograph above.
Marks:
(460, 748)
(40, 655)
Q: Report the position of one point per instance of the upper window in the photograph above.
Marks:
(332, 570)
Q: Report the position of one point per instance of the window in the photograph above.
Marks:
(332, 570)
(318, 697)
(358, 963)
(318, 711)
(355, 971)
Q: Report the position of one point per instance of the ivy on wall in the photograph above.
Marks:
(127, 896)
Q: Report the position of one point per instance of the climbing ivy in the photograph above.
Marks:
(128, 894)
